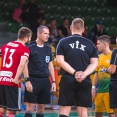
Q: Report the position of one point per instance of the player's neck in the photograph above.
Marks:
(21, 41)
(79, 33)
(106, 51)
(40, 43)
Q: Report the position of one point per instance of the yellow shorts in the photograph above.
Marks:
(102, 103)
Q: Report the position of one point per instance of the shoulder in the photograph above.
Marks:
(100, 55)
(32, 43)
(47, 45)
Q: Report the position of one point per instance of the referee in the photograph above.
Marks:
(78, 58)
(39, 68)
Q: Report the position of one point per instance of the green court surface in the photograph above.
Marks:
(56, 114)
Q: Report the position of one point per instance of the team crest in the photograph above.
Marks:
(47, 59)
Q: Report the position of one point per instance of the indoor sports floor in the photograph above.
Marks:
(55, 113)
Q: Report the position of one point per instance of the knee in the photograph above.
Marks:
(40, 108)
(30, 107)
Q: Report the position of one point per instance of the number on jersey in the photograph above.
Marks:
(7, 50)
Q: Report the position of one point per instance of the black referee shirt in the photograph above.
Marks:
(114, 61)
(77, 51)
(39, 59)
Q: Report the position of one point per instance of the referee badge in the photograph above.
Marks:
(47, 59)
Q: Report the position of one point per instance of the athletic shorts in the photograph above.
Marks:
(10, 97)
(102, 103)
(113, 95)
(73, 92)
(41, 91)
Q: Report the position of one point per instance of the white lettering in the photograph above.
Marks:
(6, 73)
(0, 78)
(72, 45)
(82, 47)
(77, 43)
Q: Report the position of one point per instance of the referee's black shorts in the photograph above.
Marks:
(113, 95)
(73, 92)
(41, 91)
(10, 97)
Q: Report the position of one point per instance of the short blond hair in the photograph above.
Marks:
(77, 24)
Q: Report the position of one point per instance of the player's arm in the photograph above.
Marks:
(91, 67)
(64, 64)
(25, 72)
(113, 63)
(20, 69)
(51, 70)
(94, 84)
(111, 69)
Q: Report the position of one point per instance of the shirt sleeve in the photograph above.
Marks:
(59, 49)
(114, 57)
(94, 52)
(25, 52)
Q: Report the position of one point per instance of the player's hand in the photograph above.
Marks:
(29, 86)
(93, 92)
(53, 87)
(16, 81)
(80, 76)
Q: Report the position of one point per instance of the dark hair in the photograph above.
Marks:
(24, 32)
(64, 19)
(52, 19)
(104, 38)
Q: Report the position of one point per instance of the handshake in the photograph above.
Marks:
(103, 70)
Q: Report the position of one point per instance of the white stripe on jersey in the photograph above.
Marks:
(19, 98)
(115, 59)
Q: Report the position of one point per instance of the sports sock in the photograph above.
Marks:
(39, 115)
(28, 114)
(63, 116)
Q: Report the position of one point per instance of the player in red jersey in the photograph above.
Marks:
(14, 57)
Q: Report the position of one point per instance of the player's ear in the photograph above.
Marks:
(71, 28)
(83, 29)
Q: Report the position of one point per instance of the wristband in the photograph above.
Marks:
(53, 81)
(74, 73)
(106, 70)
(93, 87)
(27, 79)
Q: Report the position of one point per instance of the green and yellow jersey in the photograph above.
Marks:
(104, 78)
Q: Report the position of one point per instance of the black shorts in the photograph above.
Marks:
(113, 95)
(41, 91)
(10, 97)
(74, 93)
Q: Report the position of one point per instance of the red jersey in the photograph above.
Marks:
(11, 56)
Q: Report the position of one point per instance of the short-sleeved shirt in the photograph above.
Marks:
(104, 78)
(63, 30)
(114, 61)
(12, 53)
(39, 59)
(77, 52)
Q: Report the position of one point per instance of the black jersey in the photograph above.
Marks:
(114, 61)
(77, 52)
(39, 59)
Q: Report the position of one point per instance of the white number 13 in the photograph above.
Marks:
(8, 65)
